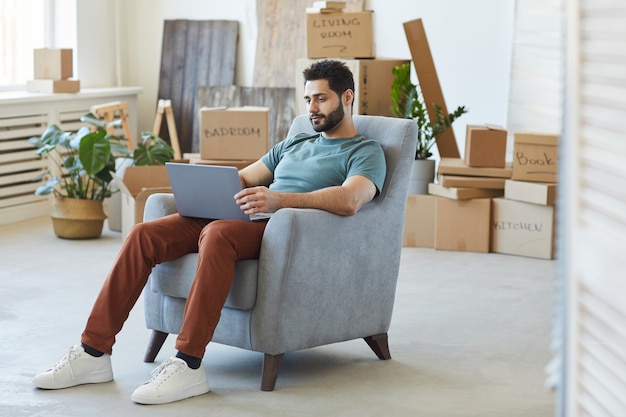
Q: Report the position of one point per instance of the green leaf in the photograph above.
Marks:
(91, 119)
(94, 152)
(48, 187)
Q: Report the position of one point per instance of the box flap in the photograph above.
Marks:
(486, 126)
(213, 108)
(494, 127)
(249, 108)
(537, 138)
(120, 183)
(137, 178)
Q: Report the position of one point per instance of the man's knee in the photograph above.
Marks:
(216, 230)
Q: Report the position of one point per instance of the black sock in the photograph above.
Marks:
(92, 351)
(192, 361)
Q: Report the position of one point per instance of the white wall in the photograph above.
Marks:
(95, 43)
(470, 42)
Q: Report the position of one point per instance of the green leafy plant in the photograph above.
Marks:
(152, 151)
(83, 161)
(408, 102)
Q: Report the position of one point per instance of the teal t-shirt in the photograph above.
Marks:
(305, 163)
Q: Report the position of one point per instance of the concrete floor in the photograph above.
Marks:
(470, 337)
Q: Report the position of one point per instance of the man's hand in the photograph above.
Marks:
(258, 200)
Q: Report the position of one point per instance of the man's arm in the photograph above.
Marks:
(255, 174)
(345, 200)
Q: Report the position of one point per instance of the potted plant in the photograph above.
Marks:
(408, 102)
(81, 166)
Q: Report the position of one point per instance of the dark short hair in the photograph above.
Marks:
(337, 74)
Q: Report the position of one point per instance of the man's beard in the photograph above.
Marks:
(330, 120)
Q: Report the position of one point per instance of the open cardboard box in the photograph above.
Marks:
(136, 184)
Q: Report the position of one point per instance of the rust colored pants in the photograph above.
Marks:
(219, 245)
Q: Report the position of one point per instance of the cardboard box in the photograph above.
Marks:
(373, 98)
(53, 86)
(462, 225)
(340, 35)
(456, 193)
(524, 229)
(136, 184)
(471, 182)
(485, 146)
(530, 192)
(235, 133)
(429, 83)
(419, 223)
(194, 158)
(535, 157)
(53, 64)
(457, 166)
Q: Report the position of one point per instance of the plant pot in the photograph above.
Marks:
(77, 219)
(422, 174)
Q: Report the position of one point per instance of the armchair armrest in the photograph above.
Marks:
(342, 270)
(159, 205)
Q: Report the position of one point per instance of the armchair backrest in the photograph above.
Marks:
(398, 138)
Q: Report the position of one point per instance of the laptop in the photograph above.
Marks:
(206, 191)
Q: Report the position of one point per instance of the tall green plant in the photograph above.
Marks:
(408, 102)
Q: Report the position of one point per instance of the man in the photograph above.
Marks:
(336, 170)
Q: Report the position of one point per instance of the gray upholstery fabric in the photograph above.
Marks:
(321, 278)
(174, 279)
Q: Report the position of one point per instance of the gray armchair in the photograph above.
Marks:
(320, 279)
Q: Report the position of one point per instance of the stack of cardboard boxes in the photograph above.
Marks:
(348, 37)
(53, 69)
(523, 222)
(484, 204)
(465, 188)
(481, 202)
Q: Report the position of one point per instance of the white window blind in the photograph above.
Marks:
(29, 24)
(595, 173)
(22, 29)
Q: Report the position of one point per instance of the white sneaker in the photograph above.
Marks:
(76, 367)
(172, 381)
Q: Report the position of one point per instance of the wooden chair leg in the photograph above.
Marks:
(154, 345)
(271, 365)
(379, 343)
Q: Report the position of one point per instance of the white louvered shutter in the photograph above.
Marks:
(537, 68)
(594, 158)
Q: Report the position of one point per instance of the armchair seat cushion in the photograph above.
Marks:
(175, 278)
